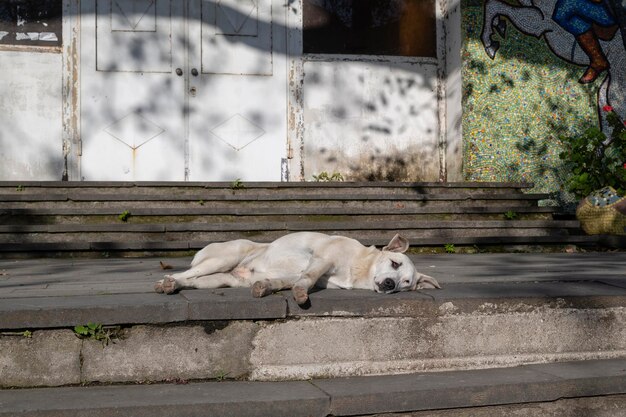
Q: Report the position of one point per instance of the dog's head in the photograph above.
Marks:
(395, 272)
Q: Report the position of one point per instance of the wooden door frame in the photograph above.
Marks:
(71, 90)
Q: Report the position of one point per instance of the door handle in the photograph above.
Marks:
(179, 72)
(194, 72)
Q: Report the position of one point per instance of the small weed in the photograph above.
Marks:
(237, 184)
(449, 248)
(221, 375)
(96, 331)
(26, 333)
(19, 188)
(325, 177)
(510, 215)
(124, 216)
(201, 202)
(177, 381)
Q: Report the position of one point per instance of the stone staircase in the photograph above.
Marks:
(509, 334)
(142, 218)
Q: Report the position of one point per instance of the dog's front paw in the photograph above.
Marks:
(426, 282)
(261, 288)
(300, 294)
(166, 285)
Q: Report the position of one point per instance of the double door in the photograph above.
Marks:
(176, 90)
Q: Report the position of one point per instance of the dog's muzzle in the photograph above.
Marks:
(387, 285)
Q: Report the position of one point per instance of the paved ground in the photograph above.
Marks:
(73, 277)
(60, 292)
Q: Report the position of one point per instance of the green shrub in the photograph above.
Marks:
(596, 161)
(325, 177)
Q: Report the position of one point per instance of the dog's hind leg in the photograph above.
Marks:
(219, 280)
(214, 259)
(220, 257)
(171, 284)
(210, 266)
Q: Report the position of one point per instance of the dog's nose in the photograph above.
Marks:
(387, 285)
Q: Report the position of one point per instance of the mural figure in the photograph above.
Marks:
(582, 32)
(588, 21)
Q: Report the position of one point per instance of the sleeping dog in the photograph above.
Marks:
(300, 261)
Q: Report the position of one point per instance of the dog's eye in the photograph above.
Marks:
(395, 265)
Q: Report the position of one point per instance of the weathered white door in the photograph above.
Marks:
(237, 89)
(131, 99)
(182, 90)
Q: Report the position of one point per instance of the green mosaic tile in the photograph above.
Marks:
(516, 107)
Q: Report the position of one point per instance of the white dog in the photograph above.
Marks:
(300, 261)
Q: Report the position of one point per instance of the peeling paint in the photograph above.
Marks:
(372, 122)
(295, 84)
(25, 24)
(37, 36)
(442, 11)
(295, 122)
(20, 20)
(71, 91)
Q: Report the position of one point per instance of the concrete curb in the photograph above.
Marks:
(407, 337)
(238, 304)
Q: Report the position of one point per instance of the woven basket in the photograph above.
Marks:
(603, 212)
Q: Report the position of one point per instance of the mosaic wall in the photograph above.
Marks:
(518, 104)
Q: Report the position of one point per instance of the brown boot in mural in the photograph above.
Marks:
(605, 33)
(597, 60)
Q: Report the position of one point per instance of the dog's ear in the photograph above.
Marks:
(424, 281)
(397, 244)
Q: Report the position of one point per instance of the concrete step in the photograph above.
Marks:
(493, 311)
(307, 195)
(284, 188)
(244, 207)
(58, 215)
(268, 192)
(557, 242)
(144, 244)
(573, 388)
(155, 240)
(411, 226)
(61, 218)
